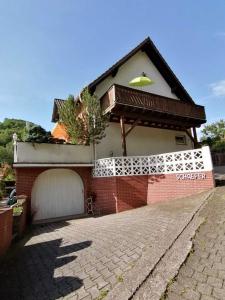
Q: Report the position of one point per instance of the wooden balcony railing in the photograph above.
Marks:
(122, 95)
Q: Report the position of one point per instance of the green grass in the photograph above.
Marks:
(102, 295)
(119, 278)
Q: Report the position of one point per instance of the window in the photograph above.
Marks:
(180, 140)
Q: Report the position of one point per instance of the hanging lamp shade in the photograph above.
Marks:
(141, 81)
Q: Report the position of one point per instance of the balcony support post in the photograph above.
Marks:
(123, 134)
(132, 127)
(195, 137)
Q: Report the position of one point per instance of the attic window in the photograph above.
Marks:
(180, 140)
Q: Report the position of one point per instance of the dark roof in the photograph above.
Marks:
(152, 52)
(58, 103)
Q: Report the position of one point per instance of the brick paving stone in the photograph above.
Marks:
(94, 291)
(219, 293)
(191, 294)
(208, 257)
(205, 297)
(77, 256)
(200, 277)
(216, 282)
(101, 283)
(204, 289)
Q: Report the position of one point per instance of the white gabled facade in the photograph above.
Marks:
(134, 67)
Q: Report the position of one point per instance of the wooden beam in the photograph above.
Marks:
(195, 137)
(191, 137)
(132, 127)
(148, 116)
(195, 134)
(123, 134)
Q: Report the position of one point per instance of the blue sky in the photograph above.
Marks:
(52, 48)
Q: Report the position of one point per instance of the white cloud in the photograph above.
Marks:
(218, 88)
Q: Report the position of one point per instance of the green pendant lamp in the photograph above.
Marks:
(141, 80)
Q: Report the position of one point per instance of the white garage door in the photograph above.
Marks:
(57, 193)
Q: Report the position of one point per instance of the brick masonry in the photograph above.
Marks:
(6, 223)
(25, 178)
(116, 194)
(168, 187)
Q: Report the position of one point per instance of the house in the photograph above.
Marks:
(151, 138)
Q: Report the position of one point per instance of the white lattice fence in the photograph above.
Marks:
(174, 162)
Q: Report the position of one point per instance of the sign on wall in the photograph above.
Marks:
(191, 176)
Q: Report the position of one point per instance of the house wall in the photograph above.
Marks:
(140, 141)
(116, 194)
(167, 187)
(134, 67)
(59, 132)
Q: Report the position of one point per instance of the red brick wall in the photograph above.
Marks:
(167, 187)
(6, 222)
(116, 194)
(105, 191)
(131, 192)
(25, 178)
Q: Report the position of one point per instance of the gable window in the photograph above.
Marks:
(181, 140)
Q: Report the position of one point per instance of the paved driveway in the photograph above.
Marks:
(87, 258)
(203, 274)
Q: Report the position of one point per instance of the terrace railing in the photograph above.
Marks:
(196, 160)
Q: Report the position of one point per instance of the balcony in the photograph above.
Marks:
(151, 109)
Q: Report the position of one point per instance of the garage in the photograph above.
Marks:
(57, 193)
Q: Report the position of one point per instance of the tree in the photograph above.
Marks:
(83, 119)
(7, 128)
(214, 135)
(37, 134)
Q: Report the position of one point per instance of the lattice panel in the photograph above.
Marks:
(174, 162)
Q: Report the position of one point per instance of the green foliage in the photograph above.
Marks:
(68, 116)
(17, 210)
(84, 121)
(8, 173)
(10, 126)
(218, 146)
(213, 132)
(7, 128)
(37, 134)
(102, 295)
(6, 154)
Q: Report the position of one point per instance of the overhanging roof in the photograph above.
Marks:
(154, 55)
(58, 103)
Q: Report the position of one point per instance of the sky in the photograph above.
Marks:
(52, 48)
